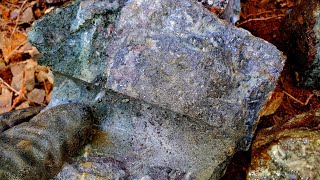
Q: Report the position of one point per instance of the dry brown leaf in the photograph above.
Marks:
(42, 68)
(5, 100)
(26, 16)
(14, 14)
(10, 45)
(17, 68)
(37, 96)
(25, 48)
(5, 13)
(42, 76)
(2, 64)
(48, 97)
(29, 70)
(23, 105)
(17, 81)
(24, 144)
(273, 104)
(50, 76)
(34, 53)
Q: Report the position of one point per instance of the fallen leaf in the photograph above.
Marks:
(42, 68)
(17, 81)
(25, 48)
(5, 100)
(23, 105)
(50, 76)
(42, 76)
(34, 53)
(2, 64)
(17, 68)
(5, 13)
(37, 96)
(273, 104)
(29, 71)
(48, 97)
(14, 14)
(10, 44)
(26, 16)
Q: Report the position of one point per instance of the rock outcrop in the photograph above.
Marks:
(174, 89)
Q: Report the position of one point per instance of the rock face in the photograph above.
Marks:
(289, 151)
(38, 148)
(179, 56)
(302, 33)
(13, 118)
(139, 140)
(192, 85)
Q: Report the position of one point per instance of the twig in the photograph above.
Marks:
(260, 19)
(264, 12)
(21, 93)
(14, 50)
(14, 64)
(297, 100)
(17, 21)
(45, 87)
(8, 86)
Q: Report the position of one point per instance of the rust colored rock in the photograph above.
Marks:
(288, 151)
(302, 33)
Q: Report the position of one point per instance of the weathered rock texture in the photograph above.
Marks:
(181, 57)
(288, 151)
(230, 9)
(13, 118)
(192, 84)
(302, 33)
(136, 139)
(37, 149)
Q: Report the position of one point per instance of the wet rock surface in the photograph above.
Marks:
(288, 151)
(302, 31)
(175, 91)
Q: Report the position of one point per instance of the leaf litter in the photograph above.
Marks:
(23, 83)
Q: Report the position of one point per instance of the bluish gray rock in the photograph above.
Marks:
(174, 89)
(142, 140)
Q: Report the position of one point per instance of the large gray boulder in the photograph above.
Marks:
(175, 90)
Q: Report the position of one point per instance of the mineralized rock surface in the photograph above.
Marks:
(173, 88)
(302, 33)
(134, 139)
(288, 151)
